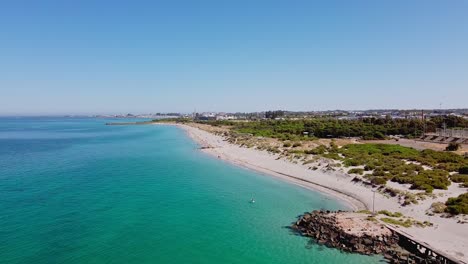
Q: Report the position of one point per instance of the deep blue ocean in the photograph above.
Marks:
(73, 190)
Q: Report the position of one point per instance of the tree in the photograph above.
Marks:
(274, 114)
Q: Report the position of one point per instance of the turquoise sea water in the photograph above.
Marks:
(77, 191)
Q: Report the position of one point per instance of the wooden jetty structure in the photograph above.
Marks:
(413, 245)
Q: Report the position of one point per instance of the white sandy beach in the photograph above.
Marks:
(446, 235)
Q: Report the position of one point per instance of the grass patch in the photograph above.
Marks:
(390, 214)
(400, 222)
(364, 212)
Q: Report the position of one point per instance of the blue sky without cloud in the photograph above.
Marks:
(72, 57)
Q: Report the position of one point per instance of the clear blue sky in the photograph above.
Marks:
(157, 56)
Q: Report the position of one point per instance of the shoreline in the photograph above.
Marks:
(446, 235)
(346, 199)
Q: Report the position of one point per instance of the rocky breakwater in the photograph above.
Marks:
(356, 233)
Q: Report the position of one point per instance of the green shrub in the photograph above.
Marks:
(378, 172)
(388, 213)
(356, 171)
(463, 170)
(296, 144)
(458, 205)
(378, 180)
(317, 151)
(286, 144)
(460, 178)
(453, 146)
(363, 212)
(384, 149)
(443, 160)
(406, 223)
(392, 192)
(431, 179)
(334, 156)
(351, 162)
(333, 147)
(295, 151)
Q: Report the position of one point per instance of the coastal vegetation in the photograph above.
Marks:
(457, 205)
(356, 171)
(320, 127)
(404, 223)
(463, 170)
(390, 214)
(460, 178)
(394, 218)
(424, 170)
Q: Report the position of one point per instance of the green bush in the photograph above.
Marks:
(317, 151)
(406, 223)
(364, 212)
(388, 162)
(333, 147)
(460, 178)
(431, 179)
(453, 146)
(388, 213)
(356, 171)
(442, 159)
(334, 156)
(384, 149)
(352, 162)
(463, 170)
(378, 180)
(378, 172)
(458, 205)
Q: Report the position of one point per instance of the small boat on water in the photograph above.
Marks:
(252, 200)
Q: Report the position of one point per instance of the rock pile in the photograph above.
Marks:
(327, 229)
(355, 232)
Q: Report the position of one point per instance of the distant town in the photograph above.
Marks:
(283, 114)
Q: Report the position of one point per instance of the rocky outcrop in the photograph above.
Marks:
(356, 233)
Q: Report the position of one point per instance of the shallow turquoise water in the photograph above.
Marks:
(77, 191)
